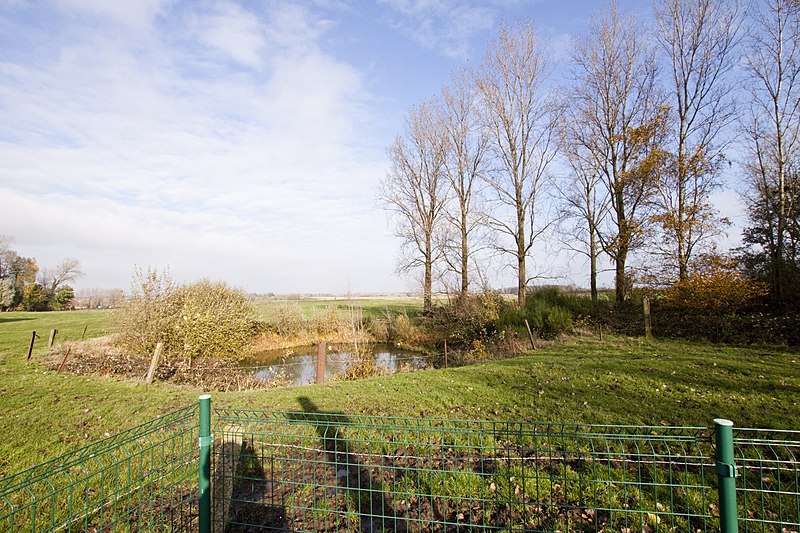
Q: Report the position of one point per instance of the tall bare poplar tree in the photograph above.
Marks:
(698, 38)
(585, 201)
(415, 191)
(519, 120)
(773, 129)
(614, 91)
(464, 164)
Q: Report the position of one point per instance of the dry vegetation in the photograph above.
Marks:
(102, 357)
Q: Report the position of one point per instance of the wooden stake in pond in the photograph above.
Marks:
(52, 338)
(320, 363)
(30, 347)
(648, 331)
(530, 335)
(445, 353)
(84, 331)
(63, 361)
(154, 363)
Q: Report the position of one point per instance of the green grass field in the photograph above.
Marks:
(371, 307)
(617, 380)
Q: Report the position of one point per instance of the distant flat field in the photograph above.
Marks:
(372, 306)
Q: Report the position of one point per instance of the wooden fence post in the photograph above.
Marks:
(320, 363)
(30, 347)
(530, 335)
(648, 330)
(64, 361)
(445, 353)
(52, 338)
(84, 331)
(154, 363)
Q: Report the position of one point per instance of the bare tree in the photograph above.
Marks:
(698, 37)
(519, 119)
(415, 191)
(585, 202)
(614, 91)
(464, 164)
(53, 278)
(773, 127)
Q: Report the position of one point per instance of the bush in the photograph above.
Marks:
(579, 305)
(327, 321)
(215, 320)
(200, 319)
(709, 303)
(549, 312)
(287, 320)
(149, 316)
(467, 318)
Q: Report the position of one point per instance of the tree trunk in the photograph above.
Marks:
(464, 254)
(623, 245)
(522, 280)
(619, 280)
(620, 260)
(593, 267)
(427, 284)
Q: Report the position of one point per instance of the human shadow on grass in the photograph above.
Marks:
(246, 492)
(375, 509)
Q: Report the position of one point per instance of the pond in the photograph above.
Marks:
(299, 365)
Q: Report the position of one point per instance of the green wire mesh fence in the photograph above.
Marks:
(768, 480)
(141, 479)
(312, 471)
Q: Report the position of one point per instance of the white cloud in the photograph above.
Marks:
(292, 27)
(137, 13)
(160, 152)
(234, 31)
(446, 26)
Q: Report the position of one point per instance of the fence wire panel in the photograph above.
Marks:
(142, 479)
(768, 479)
(318, 472)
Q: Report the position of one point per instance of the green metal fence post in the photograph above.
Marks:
(205, 441)
(726, 476)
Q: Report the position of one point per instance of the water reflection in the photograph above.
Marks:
(299, 365)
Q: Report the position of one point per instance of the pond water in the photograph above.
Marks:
(299, 365)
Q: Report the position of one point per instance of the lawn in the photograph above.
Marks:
(582, 379)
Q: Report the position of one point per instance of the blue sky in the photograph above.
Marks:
(241, 141)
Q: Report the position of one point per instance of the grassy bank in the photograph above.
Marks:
(617, 380)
